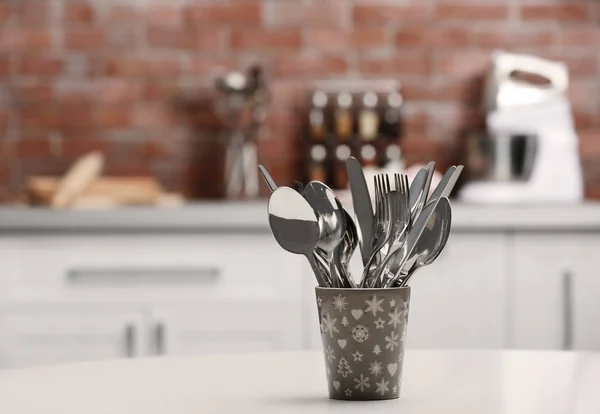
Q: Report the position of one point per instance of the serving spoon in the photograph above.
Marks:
(295, 226)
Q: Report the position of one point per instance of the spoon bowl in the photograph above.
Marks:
(295, 226)
(433, 239)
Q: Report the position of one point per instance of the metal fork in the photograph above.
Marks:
(398, 248)
(382, 223)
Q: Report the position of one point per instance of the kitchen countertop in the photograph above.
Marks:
(252, 216)
(465, 382)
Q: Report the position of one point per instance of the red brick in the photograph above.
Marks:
(152, 149)
(32, 92)
(27, 40)
(583, 93)
(287, 92)
(579, 64)
(324, 13)
(5, 65)
(121, 14)
(328, 39)
(75, 146)
(33, 147)
(72, 92)
(572, 11)
(112, 116)
(417, 90)
(432, 36)
(160, 90)
(462, 64)
(164, 15)
(79, 12)
(260, 39)
(208, 39)
(384, 14)
(122, 38)
(211, 66)
(115, 90)
(415, 124)
(6, 12)
(406, 64)
(85, 38)
(40, 66)
(33, 13)
(580, 36)
(151, 115)
(589, 144)
(582, 119)
(471, 11)
(310, 66)
(509, 37)
(143, 67)
(247, 12)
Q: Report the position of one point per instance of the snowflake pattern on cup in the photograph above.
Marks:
(363, 334)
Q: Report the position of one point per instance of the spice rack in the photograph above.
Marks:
(347, 118)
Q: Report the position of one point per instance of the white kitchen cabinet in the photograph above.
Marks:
(460, 300)
(556, 291)
(38, 334)
(240, 326)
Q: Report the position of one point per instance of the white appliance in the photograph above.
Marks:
(540, 112)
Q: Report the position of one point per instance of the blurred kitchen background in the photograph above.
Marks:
(126, 127)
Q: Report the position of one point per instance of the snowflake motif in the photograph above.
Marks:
(395, 318)
(392, 303)
(391, 341)
(379, 323)
(376, 368)
(360, 333)
(357, 356)
(374, 305)
(362, 382)
(405, 308)
(345, 321)
(382, 386)
(330, 354)
(328, 326)
(377, 350)
(348, 392)
(404, 333)
(319, 301)
(395, 389)
(339, 303)
(400, 358)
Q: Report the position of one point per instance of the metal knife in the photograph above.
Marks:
(363, 209)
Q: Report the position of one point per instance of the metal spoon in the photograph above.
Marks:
(332, 222)
(343, 252)
(432, 240)
(295, 226)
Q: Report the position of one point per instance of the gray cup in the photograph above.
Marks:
(363, 333)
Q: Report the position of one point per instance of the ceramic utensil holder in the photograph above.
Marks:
(363, 333)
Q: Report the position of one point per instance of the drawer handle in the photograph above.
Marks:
(159, 337)
(567, 310)
(137, 275)
(129, 340)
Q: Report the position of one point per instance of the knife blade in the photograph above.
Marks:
(363, 209)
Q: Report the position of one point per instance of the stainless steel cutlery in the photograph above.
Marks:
(406, 231)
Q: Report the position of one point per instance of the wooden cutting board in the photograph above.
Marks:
(85, 170)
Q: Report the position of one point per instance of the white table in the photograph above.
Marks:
(482, 382)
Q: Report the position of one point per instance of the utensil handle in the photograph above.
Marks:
(320, 276)
(567, 310)
(268, 179)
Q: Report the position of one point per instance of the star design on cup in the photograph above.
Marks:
(357, 356)
(319, 301)
(348, 392)
(392, 303)
(379, 323)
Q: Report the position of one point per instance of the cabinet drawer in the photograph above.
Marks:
(33, 335)
(216, 265)
(241, 326)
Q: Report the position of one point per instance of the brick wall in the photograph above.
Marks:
(126, 76)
